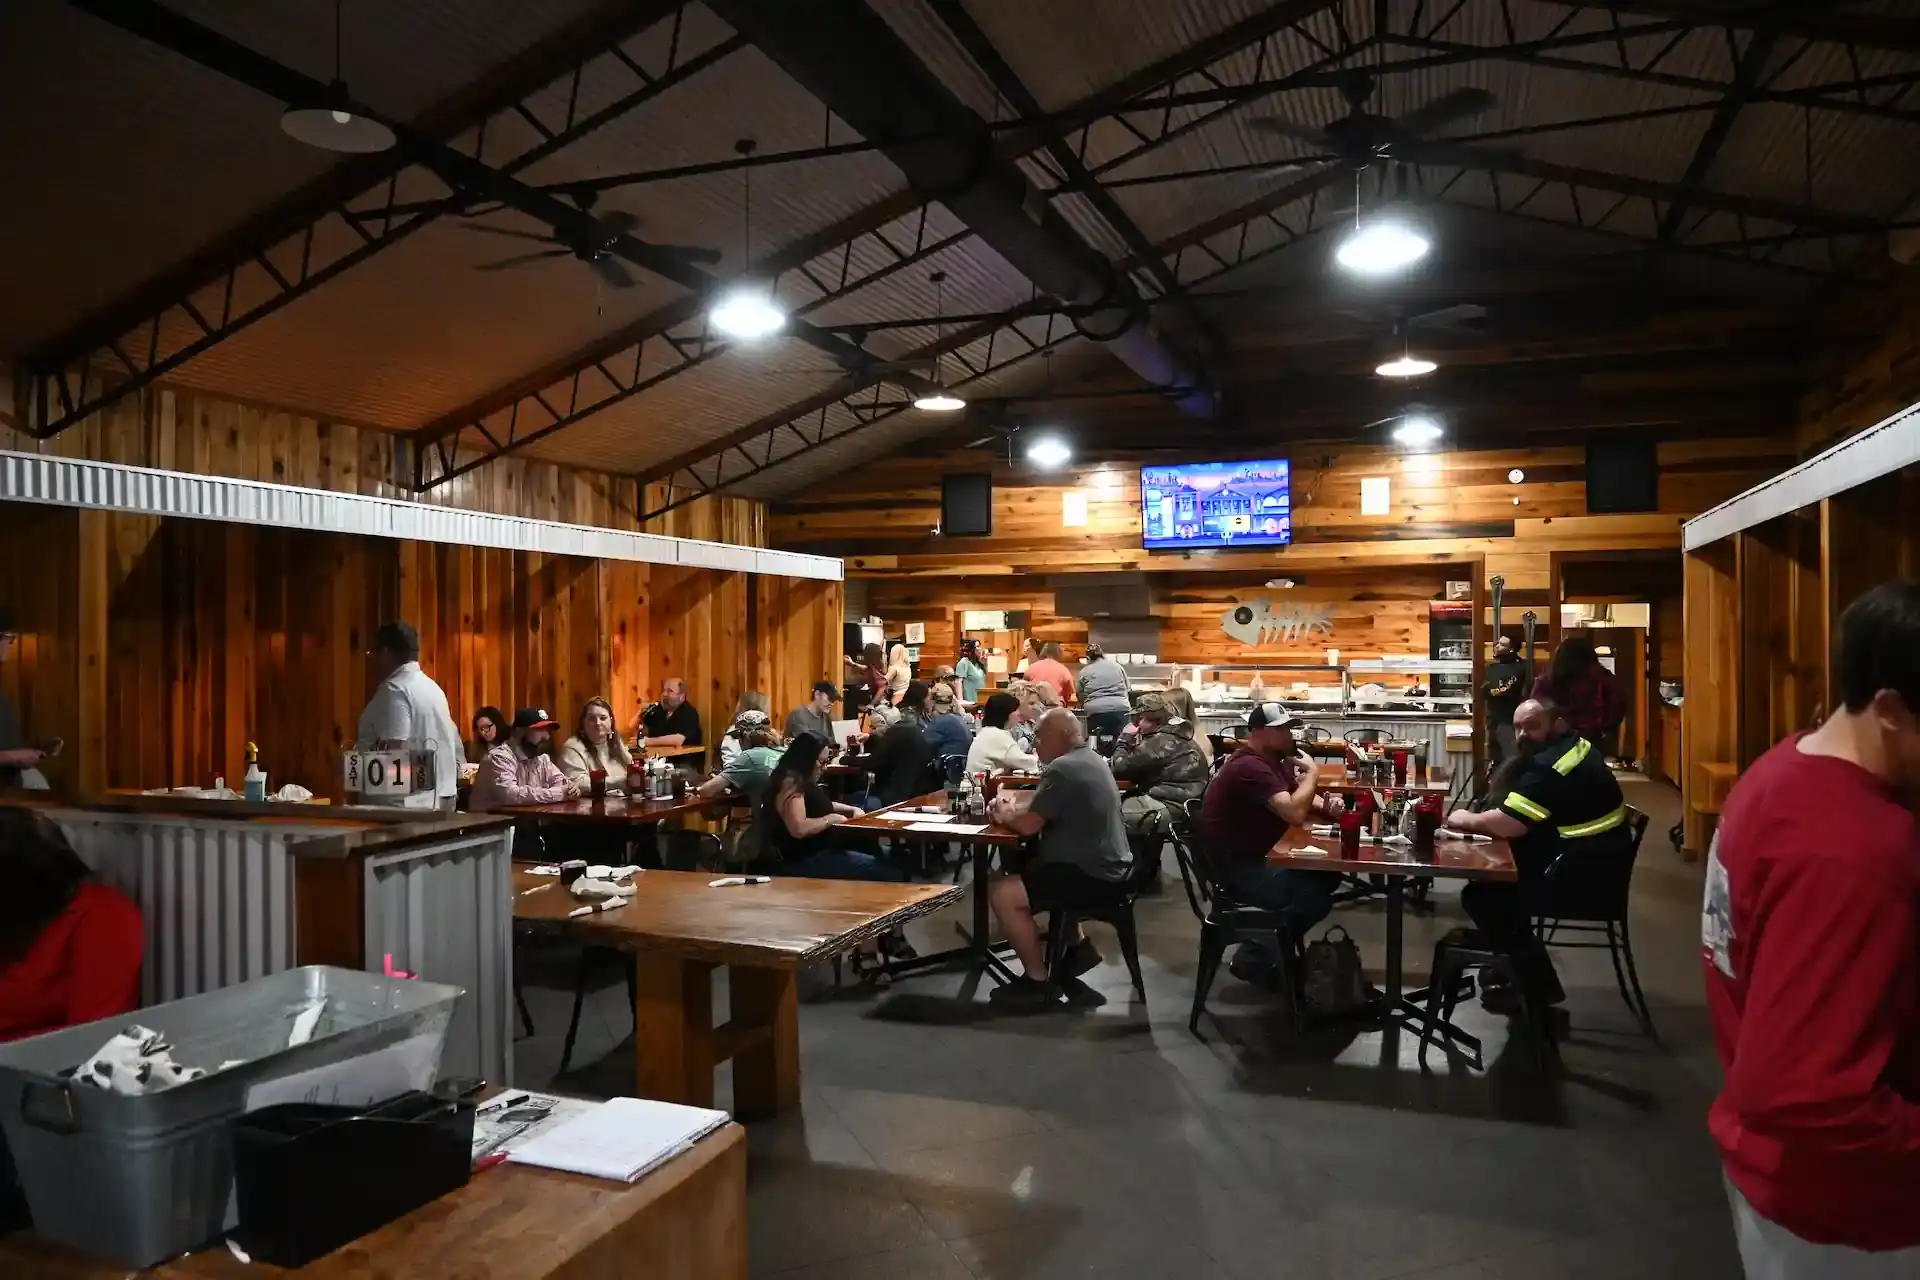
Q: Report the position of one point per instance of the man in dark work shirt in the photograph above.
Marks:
(672, 721)
(1505, 686)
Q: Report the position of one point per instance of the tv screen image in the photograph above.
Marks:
(1216, 504)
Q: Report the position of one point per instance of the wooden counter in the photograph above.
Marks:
(685, 1221)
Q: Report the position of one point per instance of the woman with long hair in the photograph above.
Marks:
(595, 744)
(972, 670)
(899, 673)
(1587, 694)
(489, 731)
(70, 946)
(798, 818)
(1180, 702)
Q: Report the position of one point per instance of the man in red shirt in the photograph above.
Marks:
(1265, 788)
(1810, 936)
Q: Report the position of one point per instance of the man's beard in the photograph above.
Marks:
(530, 749)
(1527, 747)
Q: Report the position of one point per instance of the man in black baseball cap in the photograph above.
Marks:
(1265, 788)
(521, 769)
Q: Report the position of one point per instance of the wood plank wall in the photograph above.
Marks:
(1870, 367)
(211, 635)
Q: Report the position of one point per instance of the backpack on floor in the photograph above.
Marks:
(1332, 979)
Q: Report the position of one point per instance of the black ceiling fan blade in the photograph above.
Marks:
(1465, 315)
(1279, 128)
(509, 233)
(521, 258)
(1461, 104)
(611, 270)
(619, 221)
(1454, 154)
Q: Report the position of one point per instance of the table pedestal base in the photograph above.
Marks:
(678, 1046)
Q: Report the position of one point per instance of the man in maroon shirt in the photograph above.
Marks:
(1810, 935)
(1265, 788)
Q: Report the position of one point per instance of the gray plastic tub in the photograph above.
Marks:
(141, 1180)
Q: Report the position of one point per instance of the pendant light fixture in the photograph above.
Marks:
(1381, 245)
(330, 123)
(1406, 364)
(939, 400)
(747, 311)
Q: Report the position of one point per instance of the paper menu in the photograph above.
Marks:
(621, 1139)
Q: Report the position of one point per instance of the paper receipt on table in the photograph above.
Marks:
(1311, 851)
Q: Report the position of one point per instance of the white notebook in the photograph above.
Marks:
(621, 1139)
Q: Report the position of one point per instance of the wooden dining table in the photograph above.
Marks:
(1438, 782)
(680, 927)
(617, 810)
(978, 952)
(1450, 859)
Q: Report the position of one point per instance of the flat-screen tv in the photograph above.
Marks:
(1216, 504)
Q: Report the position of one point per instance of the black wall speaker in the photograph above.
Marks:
(1622, 476)
(966, 505)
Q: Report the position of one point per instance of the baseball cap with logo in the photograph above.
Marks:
(1271, 715)
(534, 718)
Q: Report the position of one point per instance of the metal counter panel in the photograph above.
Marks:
(217, 897)
(444, 913)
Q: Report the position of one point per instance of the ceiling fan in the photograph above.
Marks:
(596, 248)
(862, 363)
(1362, 138)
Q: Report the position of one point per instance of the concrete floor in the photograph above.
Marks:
(1115, 1144)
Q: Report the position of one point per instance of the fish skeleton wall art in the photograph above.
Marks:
(1258, 622)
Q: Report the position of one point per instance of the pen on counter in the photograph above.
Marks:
(728, 882)
(500, 1103)
(594, 908)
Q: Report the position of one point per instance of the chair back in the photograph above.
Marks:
(950, 768)
(684, 850)
(1315, 733)
(1590, 879)
(1366, 737)
(1184, 831)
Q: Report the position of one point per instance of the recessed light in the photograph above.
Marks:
(1382, 247)
(1406, 367)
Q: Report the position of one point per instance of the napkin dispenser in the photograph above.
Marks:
(310, 1177)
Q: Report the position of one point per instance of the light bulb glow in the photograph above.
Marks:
(1382, 247)
(343, 117)
(747, 314)
(1049, 452)
(1417, 429)
(1406, 367)
(940, 402)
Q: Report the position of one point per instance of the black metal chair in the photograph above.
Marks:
(1454, 955)
(1366, 737)
(591, 958)
(1585, 890)
(1223, 921)
(1118, 913)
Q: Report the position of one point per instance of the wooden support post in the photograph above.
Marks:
(673, 1028)
(766, 1070)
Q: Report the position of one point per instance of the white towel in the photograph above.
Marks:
(135, 1062)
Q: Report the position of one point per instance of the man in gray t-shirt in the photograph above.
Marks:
(1083, 860)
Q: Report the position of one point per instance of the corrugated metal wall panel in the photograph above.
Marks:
(445, 914)
(217, 897)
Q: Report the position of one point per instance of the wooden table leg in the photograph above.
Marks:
(673, 1028)
(766, 1071)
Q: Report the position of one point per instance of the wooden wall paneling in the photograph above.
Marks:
(628, 628)
(1710, 715)
(40, 582)
(1869, 535)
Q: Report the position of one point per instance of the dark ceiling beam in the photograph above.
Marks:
(854, 63)
(1007, 83)
(286, 231)
(892, 231)
(1866, 30)
(1748, 70)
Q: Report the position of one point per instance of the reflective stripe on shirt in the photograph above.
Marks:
(1567, 763)
(1608, 822)
(1524, 807)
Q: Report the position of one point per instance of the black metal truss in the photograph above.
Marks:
(1631, 58)
(1193, 258)
(673, 341)
(67, 386)
(1806, 21)
(1749, 67)
(826, 266)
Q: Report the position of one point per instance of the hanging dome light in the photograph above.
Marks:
(939, 400)
(747, 312)
(1406, 366)
(1417, 429)
(329, 122)
(1382, 247)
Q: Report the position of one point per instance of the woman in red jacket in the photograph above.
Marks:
(1591, 697)
(70, 946)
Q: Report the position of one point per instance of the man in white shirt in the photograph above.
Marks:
(408, 709)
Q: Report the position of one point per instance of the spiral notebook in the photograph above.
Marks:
(621, 1139)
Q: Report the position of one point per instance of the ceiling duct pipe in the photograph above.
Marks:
(849, 58)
